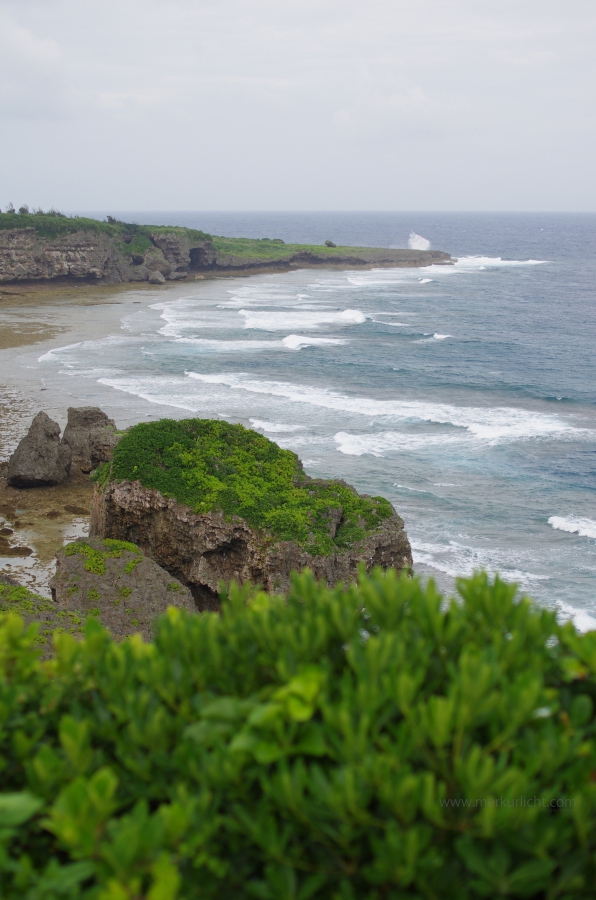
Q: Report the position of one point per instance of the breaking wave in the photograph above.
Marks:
(574, 525)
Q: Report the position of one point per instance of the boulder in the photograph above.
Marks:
(40, 458)
(90, 435)
(155, 261)
(156, 277)
(177, 274)
(204, 549)
(117, 583)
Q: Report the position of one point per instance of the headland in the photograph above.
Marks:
(51, 247)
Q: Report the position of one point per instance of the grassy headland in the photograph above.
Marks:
(211, 252)
(214, 466)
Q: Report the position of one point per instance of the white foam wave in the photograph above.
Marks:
(417, 242)
(55, 355)
(574, 525)
(297, 342)
(490, 262)
(163, 391)
(463, 265)
(302, 320)
(274, 427)
(424, 280)
(461, 560)
(492, 424)
(580, 618)
(390, 442)
(432, 337)
(51, 355)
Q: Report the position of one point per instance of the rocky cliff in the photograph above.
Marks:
(106, 253)
(211, 501)
(203, 549)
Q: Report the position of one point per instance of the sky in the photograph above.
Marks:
(298, 104)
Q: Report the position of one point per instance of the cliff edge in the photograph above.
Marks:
(40, 247)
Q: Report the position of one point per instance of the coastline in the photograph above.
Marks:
(37, 319)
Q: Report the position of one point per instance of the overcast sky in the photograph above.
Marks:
(298, 104)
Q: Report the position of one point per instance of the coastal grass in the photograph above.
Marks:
(250, 249)
(210, 465)
(375, 741)
(132, 238)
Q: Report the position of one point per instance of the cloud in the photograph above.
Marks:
(32, 83)
(306, 103)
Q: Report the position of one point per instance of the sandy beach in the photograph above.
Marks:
(34, 523)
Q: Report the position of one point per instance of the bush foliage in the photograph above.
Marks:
(369, 742)
(212, 465)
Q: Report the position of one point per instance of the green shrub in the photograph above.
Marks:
(212, 465)
(370, 742)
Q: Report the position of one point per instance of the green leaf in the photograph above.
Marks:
(16, 809)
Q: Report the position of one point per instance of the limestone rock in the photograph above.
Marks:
(122, 587)
(175, 247)
(40, 458)
(34, 609)
(176, 275)
(155, 261)
(25, 255)
(204, 549)
(156, 277)
(90, 435)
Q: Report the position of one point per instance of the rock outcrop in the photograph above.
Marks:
(99, 257)
(90, 435)
(203, 549)
(116, 583)
(40, 458)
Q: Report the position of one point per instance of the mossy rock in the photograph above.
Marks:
(38, 610)
(214, 466)
(115, 582)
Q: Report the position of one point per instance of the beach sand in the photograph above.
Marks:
(35, 319)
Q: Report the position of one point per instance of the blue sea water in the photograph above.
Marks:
(465, 394)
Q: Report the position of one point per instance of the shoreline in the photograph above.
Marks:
(36, 321)
(38, 318)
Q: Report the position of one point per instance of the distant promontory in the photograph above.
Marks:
(45, 247)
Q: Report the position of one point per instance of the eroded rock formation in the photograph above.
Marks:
(90, 435)
(40, 458)
(122, 587)
(25, 255)
(203, 549)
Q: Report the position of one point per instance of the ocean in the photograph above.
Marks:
(465, 394)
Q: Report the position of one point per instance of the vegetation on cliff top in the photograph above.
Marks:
(136, 239)
(212, 465)
(369, 742)
(55, 225)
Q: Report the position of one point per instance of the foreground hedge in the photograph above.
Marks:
(371, 742)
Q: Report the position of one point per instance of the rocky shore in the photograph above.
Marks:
(147, 550)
